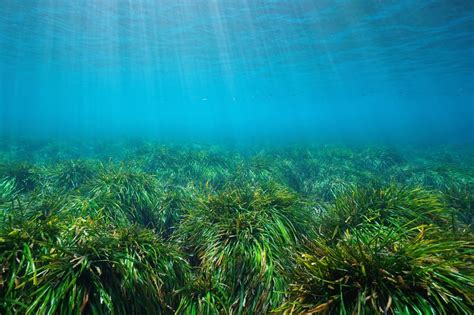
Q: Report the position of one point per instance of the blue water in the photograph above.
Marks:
(236, 69)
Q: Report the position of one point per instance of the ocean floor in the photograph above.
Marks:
(142, 227)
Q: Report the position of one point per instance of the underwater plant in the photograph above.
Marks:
(391, 205)
(8, 190)
(374, 269)
(70, 175)
(83, 266)
(173, 202)
(23, 173)
(380, 159)
(240, 237)
(202, 295)
(460, 197)
(127, 196)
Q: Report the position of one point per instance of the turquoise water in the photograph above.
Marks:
(385, 70)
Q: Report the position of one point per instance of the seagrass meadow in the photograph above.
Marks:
(237, 157)
(143, 227)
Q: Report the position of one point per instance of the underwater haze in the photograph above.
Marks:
(399, 71)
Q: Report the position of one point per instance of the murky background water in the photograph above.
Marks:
(358, 70)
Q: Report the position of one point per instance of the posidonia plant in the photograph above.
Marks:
(374, 269)
(460, 197)
(241, 237)
(391, 205)
(70, 175)
(127, 196)
(8, 191)
(23, 174)
(71, 266)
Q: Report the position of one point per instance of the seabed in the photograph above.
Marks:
(142, 227)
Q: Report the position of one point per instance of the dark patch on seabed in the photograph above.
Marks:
(142, 227)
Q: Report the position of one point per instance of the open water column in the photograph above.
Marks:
(236, 157)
